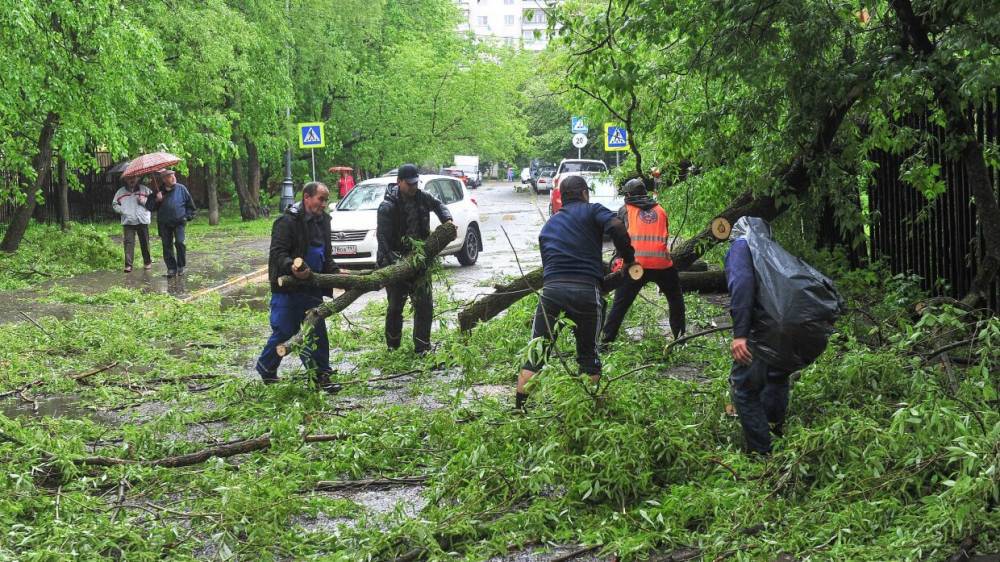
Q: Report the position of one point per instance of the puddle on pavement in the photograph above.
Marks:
(256, 296)
(68, 406)
(549, 554)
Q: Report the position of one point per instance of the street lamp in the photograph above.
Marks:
(287, 189)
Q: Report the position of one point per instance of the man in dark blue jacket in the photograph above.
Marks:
(571, 243)
(759, 391)
(174, 208)
(404, 216)
(302, 231)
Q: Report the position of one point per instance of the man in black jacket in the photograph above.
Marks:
(302, 231)
(403, 216)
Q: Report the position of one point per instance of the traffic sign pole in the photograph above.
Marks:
(313, 152)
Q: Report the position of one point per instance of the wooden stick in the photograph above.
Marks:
(369, 484)
(222, 451)
(37, 325)
(692, 336)
(93, 372)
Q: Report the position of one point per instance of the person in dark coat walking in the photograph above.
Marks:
(403, 216)
(649, 231)
(759, 391)
(174, 208)
(571, 243)
(302, 231)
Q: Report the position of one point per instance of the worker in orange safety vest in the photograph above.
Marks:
(648, 228)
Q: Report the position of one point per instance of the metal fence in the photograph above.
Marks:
(89, 204)
(940, 240)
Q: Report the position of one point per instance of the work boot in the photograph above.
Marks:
(778, 429)
(171, 273)
(269, 380)
(180, 271)
(324, 383)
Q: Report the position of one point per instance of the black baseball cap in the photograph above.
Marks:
(408, 173)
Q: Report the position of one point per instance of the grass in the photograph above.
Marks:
(886, 455)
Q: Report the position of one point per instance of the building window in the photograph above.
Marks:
(508, 20)
(534, 16)
(484, 21)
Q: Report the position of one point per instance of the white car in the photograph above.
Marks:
(354, 218)
(574, 166)
(602, 190)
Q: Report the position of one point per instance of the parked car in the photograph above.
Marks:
(545, 181)
(602, 190)
(354, 218)
(576, 166)
(458, 173)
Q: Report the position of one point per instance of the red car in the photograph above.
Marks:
(456, 173)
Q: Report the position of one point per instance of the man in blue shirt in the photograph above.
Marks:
(759, 391)
(571, 243)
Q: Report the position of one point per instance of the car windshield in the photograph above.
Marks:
(571, 167)
(602, 187)
(364, 197)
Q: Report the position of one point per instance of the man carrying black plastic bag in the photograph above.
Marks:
(783, 313)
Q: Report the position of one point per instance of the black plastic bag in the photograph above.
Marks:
(795, 306)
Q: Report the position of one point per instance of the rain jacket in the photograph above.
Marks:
(176, 208)
(133, 206)
(780, 303)
(395, 222)
(572, 240)
(291, 236)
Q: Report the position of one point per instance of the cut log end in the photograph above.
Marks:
(635, 272)
(283, 350)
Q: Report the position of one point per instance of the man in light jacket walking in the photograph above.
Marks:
(132, 202)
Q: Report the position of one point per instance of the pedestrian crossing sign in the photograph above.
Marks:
(311, 135)
(615, 138)
(578, 125)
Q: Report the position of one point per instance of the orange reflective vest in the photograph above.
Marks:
(650, 234)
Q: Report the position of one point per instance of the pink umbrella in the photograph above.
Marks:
(152, 162)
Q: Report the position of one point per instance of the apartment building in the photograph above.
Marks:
(517, 23)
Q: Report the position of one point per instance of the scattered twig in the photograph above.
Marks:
(37, 325)
(93, 372)
(576, 553)
(692, 336)
(385, 378)
(367, 484)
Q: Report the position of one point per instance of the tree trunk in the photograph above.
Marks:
(63, 195)
(254, 173)
(506, 295)
(946, 94)
(212, 193)
(42, 163)
(248, 206)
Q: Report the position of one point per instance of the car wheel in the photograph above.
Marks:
(469, 252)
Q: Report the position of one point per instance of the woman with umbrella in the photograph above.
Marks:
(346, 183)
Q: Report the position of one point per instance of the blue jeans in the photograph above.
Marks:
(171, 236)
(287, 312)
(760, 396)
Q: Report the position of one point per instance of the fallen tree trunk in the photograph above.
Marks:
(222, 451)
(505, 295)
(357, 285)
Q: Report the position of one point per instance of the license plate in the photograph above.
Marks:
(344, 250)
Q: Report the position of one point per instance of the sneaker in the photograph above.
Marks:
(268, 380)
(128, 269)
(180, 271)
(148, 266)
(171, 273)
